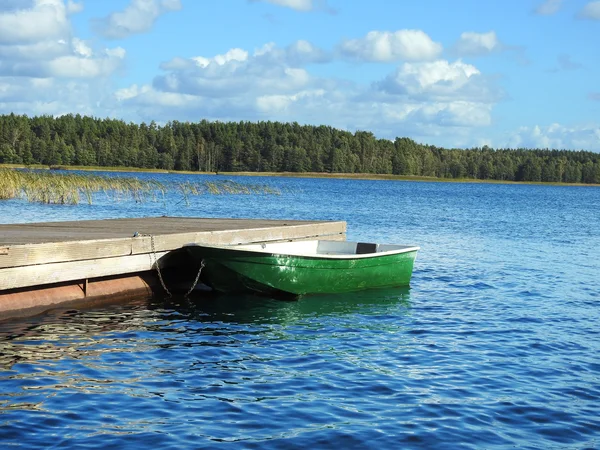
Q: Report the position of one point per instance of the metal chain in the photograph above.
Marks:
(160, 277)
(196, 280)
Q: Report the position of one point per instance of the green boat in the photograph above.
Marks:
(304, 267)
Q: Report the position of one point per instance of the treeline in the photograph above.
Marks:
(271, 147)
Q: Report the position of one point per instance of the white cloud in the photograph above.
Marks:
(73, 7)
(453, 114)
(36, 96)
(267, 83)
(269, 70)
(147, 96)
(385, 46)
(178, 63)
(132, 92)
(437, 79)
(232, 79)
(591, 11)
(235, 54)
(74, 66)
(440, 94)
(138, 17)
(557, 136)
(45, 19)
(81, 48)
(40, 45)
(274, 103)
(44, 68)
(298, 5)
(548, 7)
(272, 83)
(37, 51)
(117, 52)
(61, 59)
(477, 44)
(282, 103)
(298, 54)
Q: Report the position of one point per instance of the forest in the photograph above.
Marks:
(272, 147)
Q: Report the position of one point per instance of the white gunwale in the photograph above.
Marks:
(317, 248)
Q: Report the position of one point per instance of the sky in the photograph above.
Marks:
(452, 73)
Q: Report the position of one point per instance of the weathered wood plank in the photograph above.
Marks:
(26, 276)
(44, 253)
(239, 236)
(14, 234)
(32, 254)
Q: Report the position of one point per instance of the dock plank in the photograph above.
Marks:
(43, 253)
(35, 233)
(28, 276)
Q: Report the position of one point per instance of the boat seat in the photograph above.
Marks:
(365, 247)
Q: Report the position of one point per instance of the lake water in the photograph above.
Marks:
(495, 345)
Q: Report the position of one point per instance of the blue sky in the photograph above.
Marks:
(458, 73)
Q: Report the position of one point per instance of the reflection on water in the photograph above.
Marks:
(256, 309)
(80, 334)
(239, 357)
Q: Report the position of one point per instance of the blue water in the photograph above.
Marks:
(495, 345)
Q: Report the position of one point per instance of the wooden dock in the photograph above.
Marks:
(44, 256)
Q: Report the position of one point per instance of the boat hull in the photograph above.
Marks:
(230, 270)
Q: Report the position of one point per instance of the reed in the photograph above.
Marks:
(71, 188)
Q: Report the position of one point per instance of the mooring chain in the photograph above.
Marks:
(158, 271)
(196, 280)
(160, 277)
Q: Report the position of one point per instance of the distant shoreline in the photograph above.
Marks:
(346, 176)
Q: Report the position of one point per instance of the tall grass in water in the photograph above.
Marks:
(71, 188)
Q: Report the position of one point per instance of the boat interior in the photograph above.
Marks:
(326, 248)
